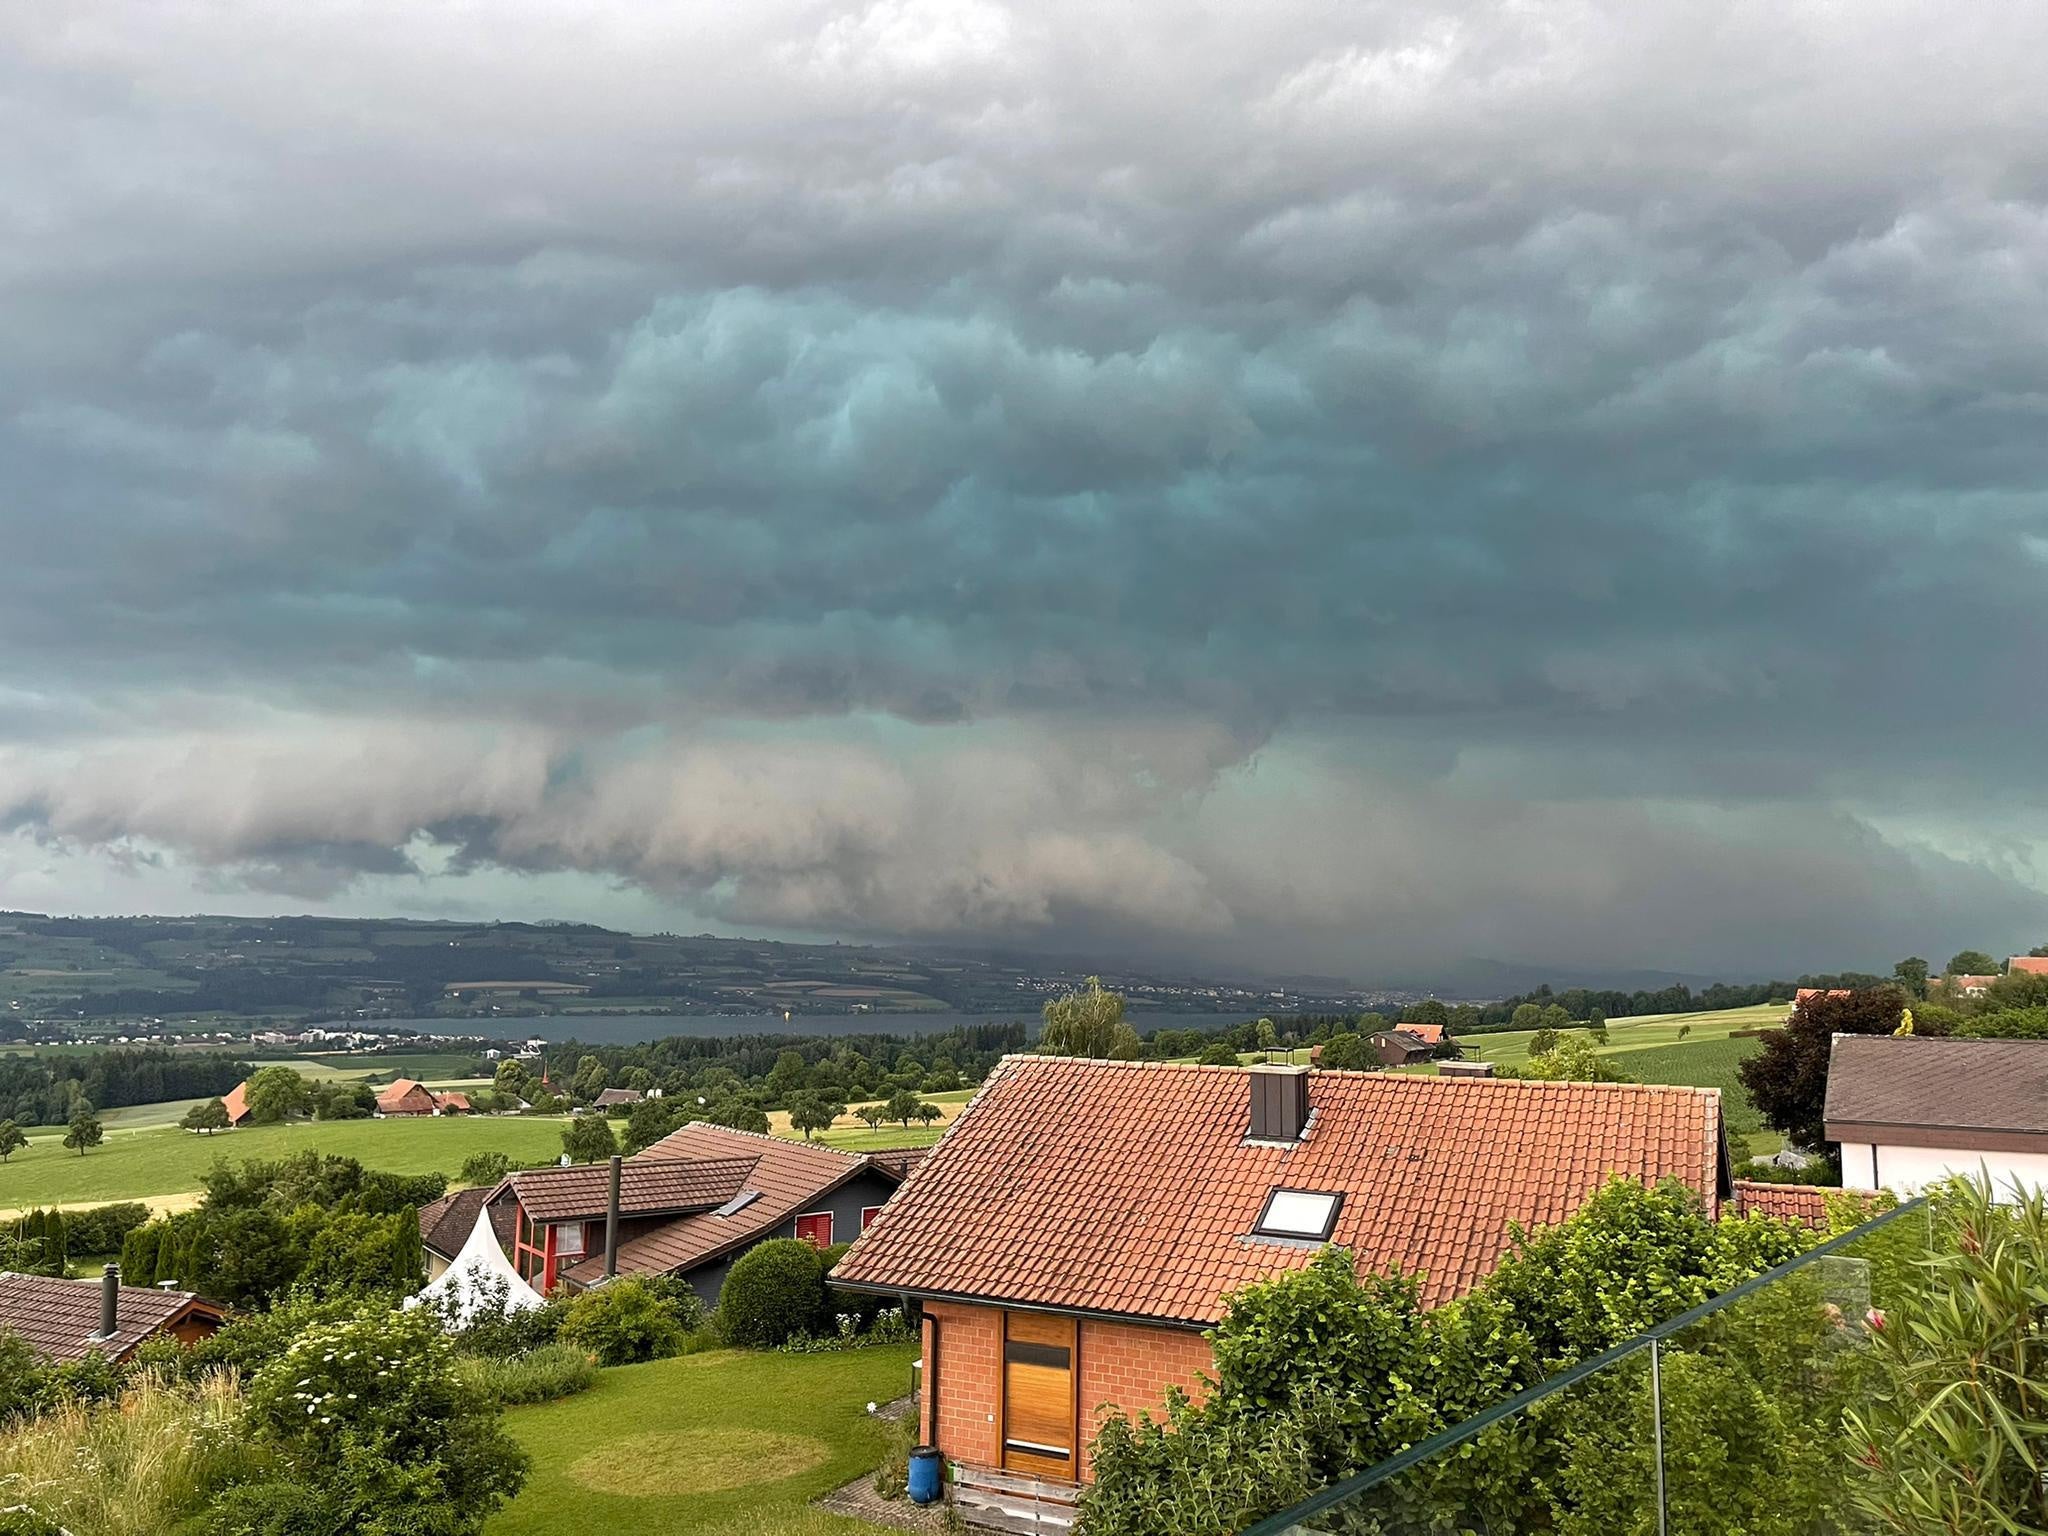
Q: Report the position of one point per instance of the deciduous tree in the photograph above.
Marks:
(1788, 1077)
(276, 1093)
(1971, 962)
(12, 1139)
(84, 1129)
(589, 1139)
(206, 1118)
(1089, 1023)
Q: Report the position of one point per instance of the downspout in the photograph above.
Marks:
(931, 1382)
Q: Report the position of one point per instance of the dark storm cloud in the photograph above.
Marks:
(943, 468)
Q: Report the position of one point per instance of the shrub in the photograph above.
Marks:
(625, 1320)
(371, 1410)
(1347, 1052)
(485, 1168)
(104, 1228)
(272, 1509)
(253, 1339)
(552, 1371)
(775, 1291)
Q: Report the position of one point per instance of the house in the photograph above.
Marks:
(687, 1206)
(407, 1098)
(1911, 1110)
(1959, 985)
(445, 1225)
(618, 1098)
(236, 1102)
(1429, 1034)
(1082, 1221)
(66, 1320)
(2027, 965)
(477, 1277)
(1401, 1047)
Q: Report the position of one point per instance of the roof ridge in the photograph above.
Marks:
(768, 1136)
(1463, 1083)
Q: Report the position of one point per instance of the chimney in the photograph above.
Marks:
(611, 1224)
(110, 1302)
(1279, 1103)
(1464, 1069)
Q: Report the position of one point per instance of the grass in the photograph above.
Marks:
(726, 1443)
(129, 1473)
(141, 1163)
(424, 1066)
(849, 1130)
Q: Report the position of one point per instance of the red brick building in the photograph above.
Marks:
(1082, 1221)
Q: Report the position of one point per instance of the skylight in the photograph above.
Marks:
(1299, 1213)
(738, 1203)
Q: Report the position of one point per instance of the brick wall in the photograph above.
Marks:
(1125, 1367)
(970, 1376)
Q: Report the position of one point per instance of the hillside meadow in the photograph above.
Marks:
(163, 1161)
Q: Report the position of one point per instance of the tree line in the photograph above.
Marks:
(44, 1089)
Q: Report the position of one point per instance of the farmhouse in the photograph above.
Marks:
(1083, 1221)
(687, 1206)
(66, 1320)
(1404, 1046)
(2027, 965)
(618, 1098)
(236, 1102)
(405, 1098)
(1910, 1111)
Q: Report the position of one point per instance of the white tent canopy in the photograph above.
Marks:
(481, 1280)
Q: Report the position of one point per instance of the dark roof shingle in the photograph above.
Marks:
(649, 1185)
(1129, 1187)
(1929, 1083)
(58, 1318)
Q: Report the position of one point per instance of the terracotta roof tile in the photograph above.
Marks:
(236, 1102)
(1931, 1083)
(1807, 1203)
(58, 1318)
(1127, 1187)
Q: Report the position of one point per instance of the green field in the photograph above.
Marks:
(169, 1161)
(425, 1067)
(1637, 1034)
(728, 1443)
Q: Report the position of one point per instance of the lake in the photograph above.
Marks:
(630, 1029)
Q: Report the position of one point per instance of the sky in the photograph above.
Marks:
(1293, 487)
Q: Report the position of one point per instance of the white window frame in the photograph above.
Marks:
(1262, 1228)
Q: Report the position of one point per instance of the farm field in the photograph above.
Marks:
(1636, 1034)
(141, 1163)
(425, 1067)
(727, 1443)
(851, 1123)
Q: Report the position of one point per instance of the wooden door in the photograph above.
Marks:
(1039, 1415)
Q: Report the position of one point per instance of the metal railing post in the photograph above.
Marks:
(1657, 1423)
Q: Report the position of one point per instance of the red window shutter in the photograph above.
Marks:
(815, 1230)
(868, 1213)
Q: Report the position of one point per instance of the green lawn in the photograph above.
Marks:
(425, 1066)
(134, 1164)
(728, 1443)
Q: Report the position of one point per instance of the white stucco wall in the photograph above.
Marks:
(1905, 1169)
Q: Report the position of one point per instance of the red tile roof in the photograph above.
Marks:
(789, 1177)
(1807, 1203)
(2021, 965)
(236, 1101)
(1128, 1187)
(58, 1318)
(1428, 1034)
(406, 1095)
(648, 1186)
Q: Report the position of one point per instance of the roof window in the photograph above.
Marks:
(738, 1203)
(1299, 1213)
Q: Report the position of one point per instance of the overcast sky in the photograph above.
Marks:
(1347, 487)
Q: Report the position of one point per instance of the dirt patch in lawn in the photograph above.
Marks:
(697, 1461)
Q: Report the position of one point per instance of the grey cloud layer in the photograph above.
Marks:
(791, 450)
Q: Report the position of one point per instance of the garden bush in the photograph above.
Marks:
(270, 1509)
(552, 1371)
(104, 1228)
(371, 1411)
(625, 1320)
(775, 1291)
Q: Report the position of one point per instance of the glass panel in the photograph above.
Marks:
(1728, 1418)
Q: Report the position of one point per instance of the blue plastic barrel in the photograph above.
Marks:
(924, 1474)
